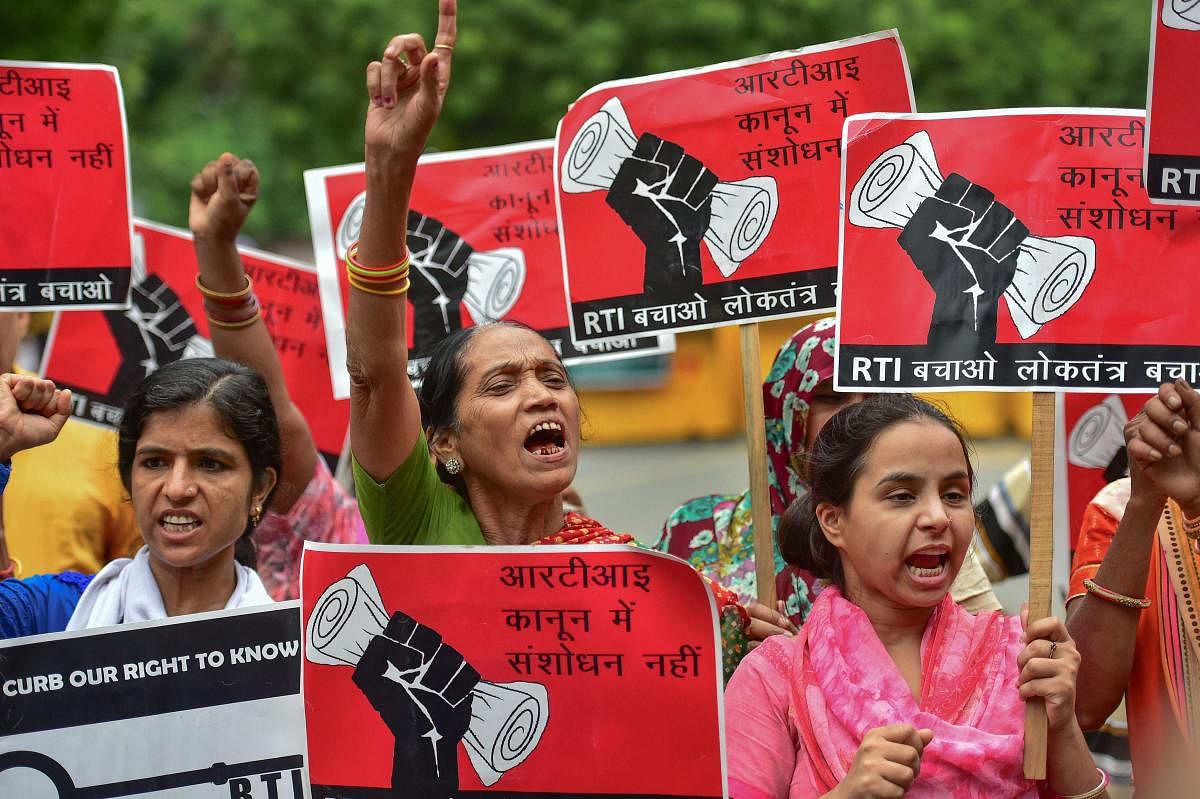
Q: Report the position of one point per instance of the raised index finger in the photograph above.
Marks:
(447, 32)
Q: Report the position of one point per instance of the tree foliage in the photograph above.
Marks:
(282, 83)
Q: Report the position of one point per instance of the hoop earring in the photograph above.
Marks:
(454, 466)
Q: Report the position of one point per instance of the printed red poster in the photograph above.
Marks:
(1173, 104)
(708, 197)
(483, 237)
(1011, 251)
(1094, 455)
(65, 213)
(103, 356)
(544, 671)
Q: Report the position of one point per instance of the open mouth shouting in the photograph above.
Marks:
(546, 439)
(179, 522)
(928, 565)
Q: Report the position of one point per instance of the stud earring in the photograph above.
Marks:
(454, 466)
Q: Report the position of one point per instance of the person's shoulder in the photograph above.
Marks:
(774, 656)
(1113, 498)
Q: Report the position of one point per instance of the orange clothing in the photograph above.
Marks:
(1154, 729)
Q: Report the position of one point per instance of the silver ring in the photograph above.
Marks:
(1053, 648)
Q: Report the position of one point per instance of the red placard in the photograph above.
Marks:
(708, 197)
(1094, 455)
(1032, 263)
(103, 356)
(564, 670)
(65, 217)
(1173, 104)
(484, 242)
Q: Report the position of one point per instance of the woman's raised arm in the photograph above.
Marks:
(223, 193)
(406, 90)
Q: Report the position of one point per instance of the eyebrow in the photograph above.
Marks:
(515, 366)
(909, 477)
(208, 452)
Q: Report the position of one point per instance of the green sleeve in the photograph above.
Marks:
(413, 506)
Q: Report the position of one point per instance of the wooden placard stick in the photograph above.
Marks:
(756, 453)
(1041, 563)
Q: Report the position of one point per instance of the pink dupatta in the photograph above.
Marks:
(844, 684)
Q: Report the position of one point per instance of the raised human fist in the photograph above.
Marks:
(665, 196)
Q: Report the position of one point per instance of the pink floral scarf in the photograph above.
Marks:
(846, 684)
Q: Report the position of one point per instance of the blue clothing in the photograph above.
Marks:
(40, 604)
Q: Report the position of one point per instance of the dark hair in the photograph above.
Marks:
(442, 380)
(236, 393)
(835, 462)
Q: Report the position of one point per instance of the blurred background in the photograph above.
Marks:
(281, 82)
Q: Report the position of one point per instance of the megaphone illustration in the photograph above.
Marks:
(1097, 440)
(1052, 273)
(1182, 14)
(494, 277)
(507, 720)
(742, 211)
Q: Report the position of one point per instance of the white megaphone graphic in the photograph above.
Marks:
(1098, 435)
(494, 277)
(742, 212)
(1051, 273)
(1183, 15)
(507, 720)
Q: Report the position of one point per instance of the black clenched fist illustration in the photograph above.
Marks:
(665, 196)
(438, 275)
(153, 331)
(965, 243)
(421, 687)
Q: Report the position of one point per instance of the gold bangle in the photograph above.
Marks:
(225, 295)
(1094, 792)
(353, 265)
(1107, 594)
(235, 325)
(396, 292)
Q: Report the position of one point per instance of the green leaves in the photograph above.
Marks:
(282, 83)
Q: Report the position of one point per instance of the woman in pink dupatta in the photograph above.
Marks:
(891, 689)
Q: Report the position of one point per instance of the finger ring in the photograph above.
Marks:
(448, 47)
(1053, 648)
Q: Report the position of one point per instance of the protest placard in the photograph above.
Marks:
(528, 671)
(1094, 452)
(1035, 263)
(103, 356)
(197, 707)
(65, 213)
(483, 237)
(708, 197)
(1173, 104)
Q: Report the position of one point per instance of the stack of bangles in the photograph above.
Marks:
(1094, 792)
(230, 310)
(382, 281)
